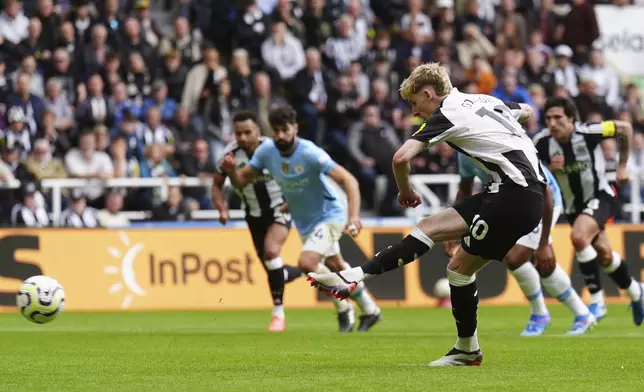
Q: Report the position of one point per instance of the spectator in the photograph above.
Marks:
(31, 212)
(309, 92)
(111, 216)
(174, 74)
(61, 69)
(264, 102)
(111, 72)
(578, 30)
(202, 83)
(112, 21)
(14, 25)
(182, 42)
(159, 99)
(42, 164)
(67, 39)
(372, 144)
(633, 105)
(94, 54)
(173, 209)
(198, 164)
(18, 132)
(85, 162)
(510, 91)
(283, 52)
(149, 28)
(251, 30)
(78, 215)
(416, 20)
(123, 104)
(57, 103)
(59, 142)
(50, 22)
(346, 47)
(474, 45)
(124, 166)
(32, 44)
(31, 105)
(605, 78)
(96, 109)
(156, 166)
(481, 75)
(28, 66)
(589, 102)
(565, 73)
(155, 132)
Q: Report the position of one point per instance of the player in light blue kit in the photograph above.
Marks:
(302, 170)
(553, 278)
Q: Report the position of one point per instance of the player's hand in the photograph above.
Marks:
(353, 227)
(544, 257)
(409, 199)
(228, 163)
(557, 163)
(224, 217)
(450, 248)
(622, 175)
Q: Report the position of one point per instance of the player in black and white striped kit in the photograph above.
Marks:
(267, 215)
(488, 224)
(573, 153)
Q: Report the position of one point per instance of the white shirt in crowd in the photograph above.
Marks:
(78, 165)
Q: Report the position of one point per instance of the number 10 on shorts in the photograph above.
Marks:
(479, 228)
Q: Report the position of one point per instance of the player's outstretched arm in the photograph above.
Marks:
(401, 160)
(624, 134)
(218, 198)
(548, 207)
(345, 179)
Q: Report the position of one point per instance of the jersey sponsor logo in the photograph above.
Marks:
(576, 167)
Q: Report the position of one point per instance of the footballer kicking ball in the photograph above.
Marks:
(40, 299)
(442, 293)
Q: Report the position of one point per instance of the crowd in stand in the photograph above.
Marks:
(102, 89)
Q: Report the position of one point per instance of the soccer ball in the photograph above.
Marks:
(40, 299)
(441, 288)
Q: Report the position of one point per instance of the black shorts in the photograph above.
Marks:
(602, 208)
(498, 220)
(259, 226)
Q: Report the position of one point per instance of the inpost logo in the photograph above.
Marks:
(127, 256)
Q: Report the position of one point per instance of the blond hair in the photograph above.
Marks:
(432, 75)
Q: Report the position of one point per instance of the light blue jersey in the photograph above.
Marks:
(302, 177)
(467, 168)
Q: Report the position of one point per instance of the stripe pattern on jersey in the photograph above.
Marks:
(584, 165)
(486, 129)
(262, 196)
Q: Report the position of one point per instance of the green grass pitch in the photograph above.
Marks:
(230, 351)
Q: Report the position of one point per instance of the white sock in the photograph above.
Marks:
(468, 344)
(597, 298)
(586, 255)
(528, 279)
(340, 306)
(634, 290)
(366, 304)
(558, 285)
(278, 310)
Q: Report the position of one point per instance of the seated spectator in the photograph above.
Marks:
(198, 164)
(510, 91)
(31, 212)
(283, 52)
(18, 132)
(31, 105)
(345, 47)
(122, 103)
(85, 162)
(42, 164)
(481, 75)
(173, 209)
(174, 74)
(159, 98)
(182, 42)
(56, 102)
(156, 166)
(111, 216)
(132, 131)
(78, 214)
(372, 144)
(155, 132)
(138, 79)
(14, 24)
(59, 142)
(96, 109)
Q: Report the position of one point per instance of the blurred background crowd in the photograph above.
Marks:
(143, 88)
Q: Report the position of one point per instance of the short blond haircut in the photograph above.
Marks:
(431, 75)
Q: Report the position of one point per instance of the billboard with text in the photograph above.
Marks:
(157, 269)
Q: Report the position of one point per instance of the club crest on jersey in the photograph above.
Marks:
(299, 169)
(285, 168)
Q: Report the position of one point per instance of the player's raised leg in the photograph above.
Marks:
(618, 271)
(518, 260)
(273, 241)
(584, 229)
(444, 226)
(557, 283)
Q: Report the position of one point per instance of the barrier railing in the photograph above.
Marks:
(422, 184)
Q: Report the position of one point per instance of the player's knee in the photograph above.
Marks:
(579, 240)
(308, 264)
(545, 270)
(271, 252)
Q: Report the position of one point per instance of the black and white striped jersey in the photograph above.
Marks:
(584, 166)
(22, 216)
(486, 129)
(263, 195)
(87, 219)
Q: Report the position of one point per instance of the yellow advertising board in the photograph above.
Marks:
(157, 269)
